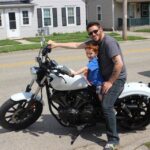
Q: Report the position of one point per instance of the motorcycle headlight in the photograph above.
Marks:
(34, 71)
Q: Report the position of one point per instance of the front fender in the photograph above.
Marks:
(135, 88)
(24, 96)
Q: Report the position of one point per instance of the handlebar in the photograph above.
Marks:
(52, 64)
(46, 50)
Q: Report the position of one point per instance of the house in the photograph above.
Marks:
(26, 18)
(109, 13)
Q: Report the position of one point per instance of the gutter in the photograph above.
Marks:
(17, 5)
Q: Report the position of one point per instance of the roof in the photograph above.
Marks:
(134, 0)
(6, 4)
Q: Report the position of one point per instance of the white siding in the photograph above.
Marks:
(118, 13)
(8, 0)
(29, 30)
(59, 4)
(32, 29)
(106, 6)
(3, 34)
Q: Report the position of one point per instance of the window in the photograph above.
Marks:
(99, 13)
(25, 17)
(0, 19)
(71, 15)
(12, 20)
(47, 17)
(145, 10)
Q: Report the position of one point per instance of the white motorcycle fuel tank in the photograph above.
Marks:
(65, 82)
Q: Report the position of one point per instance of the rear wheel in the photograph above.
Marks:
(139, 108)
(14, 115)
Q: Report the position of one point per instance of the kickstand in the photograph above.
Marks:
(79, 129)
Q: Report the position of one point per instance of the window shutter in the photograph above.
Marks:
(55, 24)
(64, 21)
(39, 17)
(78, 15)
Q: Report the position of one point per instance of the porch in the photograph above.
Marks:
(138, 13)
(135, 22)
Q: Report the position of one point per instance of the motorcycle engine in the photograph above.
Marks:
(74, 107)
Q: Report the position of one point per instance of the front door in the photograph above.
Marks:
(131, 10)
(12, 17)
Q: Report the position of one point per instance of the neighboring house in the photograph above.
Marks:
(26, 18)
(109, 13)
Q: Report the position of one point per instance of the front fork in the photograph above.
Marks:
(40, 86)
(29, 86)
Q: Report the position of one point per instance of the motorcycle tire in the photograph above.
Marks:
(14, 115)
(139, 106)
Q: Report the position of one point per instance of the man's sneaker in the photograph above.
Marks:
(111, 147)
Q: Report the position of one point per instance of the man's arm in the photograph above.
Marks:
(76, 45)
(118, 64)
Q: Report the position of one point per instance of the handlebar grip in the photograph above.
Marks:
(46, 50)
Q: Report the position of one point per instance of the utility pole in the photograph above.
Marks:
(124, 31)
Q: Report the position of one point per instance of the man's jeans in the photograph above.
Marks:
(108, 109)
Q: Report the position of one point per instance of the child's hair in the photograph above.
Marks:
(92, 45)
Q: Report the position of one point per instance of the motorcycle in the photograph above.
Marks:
(71, 100)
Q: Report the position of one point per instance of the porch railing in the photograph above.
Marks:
(135, 21)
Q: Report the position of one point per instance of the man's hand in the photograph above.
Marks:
(106, 86)
(52, 43)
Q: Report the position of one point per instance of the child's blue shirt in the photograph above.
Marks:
(94, 75)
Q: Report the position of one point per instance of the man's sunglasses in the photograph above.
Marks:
(94, 31)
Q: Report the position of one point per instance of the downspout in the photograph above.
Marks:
(113, 16)
(149, 13)
(86, 11)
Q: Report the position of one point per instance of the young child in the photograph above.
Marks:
(92, 70)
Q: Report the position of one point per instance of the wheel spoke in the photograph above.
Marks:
(144, 106)
(19, 105)
(9, 116)
(9, 120)
(24, 105)
(10, 111)
(14, 108)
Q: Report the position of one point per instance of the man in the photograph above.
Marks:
(114, 74)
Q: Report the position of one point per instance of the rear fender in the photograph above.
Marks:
(24, 96)
(135, 88)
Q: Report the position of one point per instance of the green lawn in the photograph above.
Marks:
(147, 144)
(8, 42)
(67, 37)
(79, 37)
(143, 30)
(130, 38)
(17, 47)
(12, 45)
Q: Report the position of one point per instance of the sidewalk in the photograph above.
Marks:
(129, 141)
(142, 34)
(23, 41)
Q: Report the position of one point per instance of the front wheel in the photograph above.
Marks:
(17, 115)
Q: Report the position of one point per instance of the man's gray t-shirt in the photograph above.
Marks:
(109, 48)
